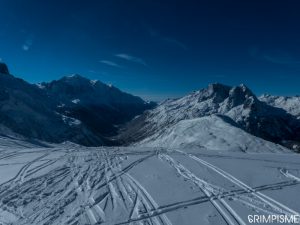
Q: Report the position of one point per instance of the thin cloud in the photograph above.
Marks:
(28, 43)
(175, 42)
(26, 47)
(132, 59)
(110, 63)
(280, 59)
(276, 57)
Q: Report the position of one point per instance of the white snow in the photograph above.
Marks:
(289, 104)
(198, 104)
(93, 82)
(39, 85)
(72, 75)
(212, 133)
(61, 105)
(70, 120)
(76, 101)
(70, 184)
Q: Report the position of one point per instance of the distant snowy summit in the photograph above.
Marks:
(238, 104)
(72, 108)
(289, 104)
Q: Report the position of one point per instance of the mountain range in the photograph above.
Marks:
(235, 104)
(92, 113)
(72, 108)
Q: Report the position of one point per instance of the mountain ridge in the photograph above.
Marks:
(90, 112)
(289, 103)
(238, 103)
(52, 114)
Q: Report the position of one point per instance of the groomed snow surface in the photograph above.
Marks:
(70, 184)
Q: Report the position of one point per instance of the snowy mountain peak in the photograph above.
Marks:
(216, 87)
(78, 81)
(74, 78)
(217, 91)
(290, 104)
(241, 95)
(3, 68)
(48, 111)
(245, 90)
(237, 103)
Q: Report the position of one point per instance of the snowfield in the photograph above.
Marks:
(69, 184)
(210, 132)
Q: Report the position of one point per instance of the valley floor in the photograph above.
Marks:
(70, 184)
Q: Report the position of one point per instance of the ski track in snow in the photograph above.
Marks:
(286, 173)
(91, 187)
(281, 208)
(230, 216)
(216, 195)
(272, 203)
(78, 185)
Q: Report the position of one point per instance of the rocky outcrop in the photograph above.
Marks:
(3, 68)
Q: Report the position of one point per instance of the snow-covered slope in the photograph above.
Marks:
(237, 103)
(212, 133)
(289, 104)
(15, 143)
(68, 184)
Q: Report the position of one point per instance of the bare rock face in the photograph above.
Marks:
(3, 68)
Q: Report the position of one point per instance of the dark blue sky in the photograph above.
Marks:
(155, 49)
